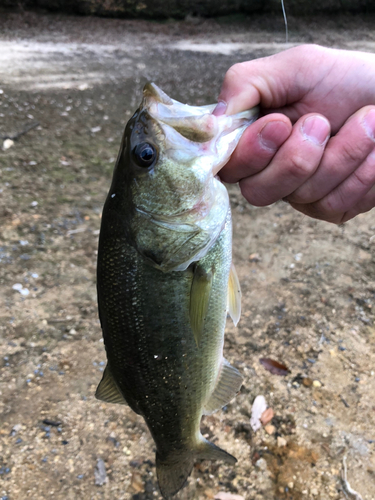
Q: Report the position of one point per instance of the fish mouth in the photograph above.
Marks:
(207, 134)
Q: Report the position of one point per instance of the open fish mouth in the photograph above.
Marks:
(207, 134)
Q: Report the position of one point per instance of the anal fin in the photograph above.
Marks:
(107, 389)
(234, 296)
(209, 451)
(228, 384)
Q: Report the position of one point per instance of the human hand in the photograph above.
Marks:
(320, 91)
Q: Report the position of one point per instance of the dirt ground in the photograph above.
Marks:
(308, 287)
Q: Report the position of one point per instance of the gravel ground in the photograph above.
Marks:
(308, 287)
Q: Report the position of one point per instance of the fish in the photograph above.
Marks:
(165, 278)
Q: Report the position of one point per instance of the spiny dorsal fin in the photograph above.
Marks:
(228, 384)
(108, 391)
(199, 298)
(234, 296)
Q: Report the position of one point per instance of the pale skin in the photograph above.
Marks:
(314, 144)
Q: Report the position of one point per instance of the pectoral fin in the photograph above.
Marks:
(199, 299)
(228, 384)
(108, 391)
(234, 296)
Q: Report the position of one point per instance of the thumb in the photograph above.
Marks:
(241, 89)
(273, 82)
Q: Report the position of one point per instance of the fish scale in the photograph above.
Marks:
(131, 303)
(165, 278)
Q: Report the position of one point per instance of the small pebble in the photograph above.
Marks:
(281, 442)
(8, 143)
(316, 383)
(254, 257)
(270, 429)
(307, 382)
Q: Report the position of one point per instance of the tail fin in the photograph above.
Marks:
(173, 471)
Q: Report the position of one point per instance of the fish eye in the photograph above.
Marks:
(144, 154)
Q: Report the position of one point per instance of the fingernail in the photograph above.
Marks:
(220, 109)
(273, 134)
(369, 121)
(316, 129)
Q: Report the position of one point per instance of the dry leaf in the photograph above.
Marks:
(274, 367)
(137, 483)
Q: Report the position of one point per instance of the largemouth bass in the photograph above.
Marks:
(165, 279)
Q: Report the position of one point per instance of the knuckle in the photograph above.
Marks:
(351, 153)
(254, 195)
(235, 73)
(300, 167)
(364, 178)
(324, 210)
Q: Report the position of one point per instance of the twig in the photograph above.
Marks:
(347, 405)
(348, 490)
(17, 135)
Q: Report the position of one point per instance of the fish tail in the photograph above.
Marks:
(173, 471)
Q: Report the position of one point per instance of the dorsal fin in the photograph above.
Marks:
(234, 296)
(107, 389)
(228, 384)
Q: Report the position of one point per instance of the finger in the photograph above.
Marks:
(364, 205)
(257, 147)
(272, 81)
(353, 196)
(343, 155)
(295, 161)
(240, 88)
